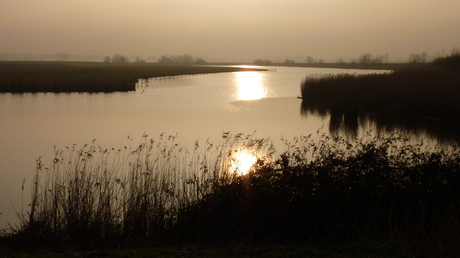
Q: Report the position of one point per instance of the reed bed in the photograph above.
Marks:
(19, 77)
(428, 93)
(386, 192)
(99, 196)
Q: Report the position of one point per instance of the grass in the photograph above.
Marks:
(19, 77)
(384, 192)
(422, 91)
(417, 93)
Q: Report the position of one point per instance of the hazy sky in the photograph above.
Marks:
(231, 30)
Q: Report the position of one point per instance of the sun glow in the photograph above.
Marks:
(250, 86)
(243, 161)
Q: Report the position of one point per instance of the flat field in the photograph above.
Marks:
(19, 77)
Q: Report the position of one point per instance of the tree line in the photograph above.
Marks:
(164, 59)
(180, 59)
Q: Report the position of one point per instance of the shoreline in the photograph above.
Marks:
(22, 77)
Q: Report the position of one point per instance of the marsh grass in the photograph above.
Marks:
(99, 196)
(428, 91)
(19, 77)
(386, 192)
(415, 93)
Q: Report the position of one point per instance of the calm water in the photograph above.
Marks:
(196, 107)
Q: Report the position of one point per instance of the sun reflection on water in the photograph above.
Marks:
(250, 86)
(243, 161)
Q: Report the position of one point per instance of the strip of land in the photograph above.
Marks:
(367, 66)
(20, 77)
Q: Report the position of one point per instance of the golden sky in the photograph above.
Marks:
(231, 30)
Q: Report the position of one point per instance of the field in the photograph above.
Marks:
(20, 77)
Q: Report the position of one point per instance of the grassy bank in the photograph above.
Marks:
(21, 77)
(323, 190)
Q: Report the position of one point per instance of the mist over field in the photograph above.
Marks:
(232, 30)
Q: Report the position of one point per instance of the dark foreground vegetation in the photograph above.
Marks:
(387, 194)
(419, 91)
(19, 77)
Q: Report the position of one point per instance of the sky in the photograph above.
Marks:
(237, 30)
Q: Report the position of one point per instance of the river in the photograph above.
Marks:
(193, 107)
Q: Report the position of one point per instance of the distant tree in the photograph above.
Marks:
(365, 58)
(62, 56)
(310, 60)
(451, 61)
(321, 61)
(119, 59)
(369, 59)
(164, 59)
(139, 61)
(262, 62)
(377, 59)
(200, 61)
(180, 59)
(186, 59)
(289, 61)
(107, 59)
(421, 58)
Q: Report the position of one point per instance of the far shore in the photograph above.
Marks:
(21, 77)
(41, 76)
(369, 66)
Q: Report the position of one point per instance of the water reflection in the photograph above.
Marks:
(250, 86)
(243, 161)
(350, 122)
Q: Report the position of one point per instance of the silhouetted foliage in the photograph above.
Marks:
(262, 62)
(450, 62)
(369, 59)
(139, 61)
(413, 92)
(420, 58)
(180, 59)
(385, 191)
(119, 59)
(107, 59)
(310, 60)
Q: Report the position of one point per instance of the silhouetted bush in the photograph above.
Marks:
(450, 62)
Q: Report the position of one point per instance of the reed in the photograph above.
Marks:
(99, 196)
(380, 191)
(412, 92)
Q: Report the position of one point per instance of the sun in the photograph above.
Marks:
(243, 161)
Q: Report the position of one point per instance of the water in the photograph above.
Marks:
(195, 107)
